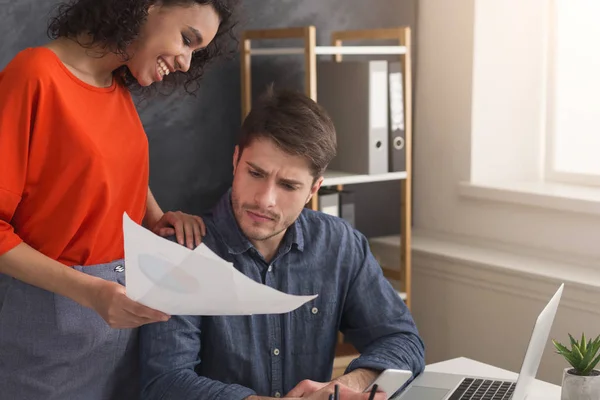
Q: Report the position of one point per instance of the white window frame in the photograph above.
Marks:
(551, 174)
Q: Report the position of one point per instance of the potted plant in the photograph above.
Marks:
(582, 381)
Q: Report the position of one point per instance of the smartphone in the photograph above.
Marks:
(390, 381)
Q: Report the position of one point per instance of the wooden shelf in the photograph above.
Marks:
(334, 178)
(330, 50)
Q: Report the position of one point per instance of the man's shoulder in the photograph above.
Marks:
(318, 225)
(214, 239)
(318, 218)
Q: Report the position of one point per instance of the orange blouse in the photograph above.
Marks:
(73, 158)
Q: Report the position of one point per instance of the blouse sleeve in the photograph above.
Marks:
(18, 102)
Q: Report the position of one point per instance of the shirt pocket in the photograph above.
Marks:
(314, 326)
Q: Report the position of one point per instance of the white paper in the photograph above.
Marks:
(178, 281)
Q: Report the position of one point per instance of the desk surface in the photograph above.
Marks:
(465, 366)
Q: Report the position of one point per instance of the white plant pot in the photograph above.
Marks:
(575, 387)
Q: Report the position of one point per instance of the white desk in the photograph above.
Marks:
(465, 366)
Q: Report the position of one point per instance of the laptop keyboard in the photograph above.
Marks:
(483, 389)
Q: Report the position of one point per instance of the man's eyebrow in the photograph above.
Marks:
(196, 33)
(256, 167)
(291, 182)
(283, 180)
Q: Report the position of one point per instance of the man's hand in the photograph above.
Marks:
(328, 389)
(305, 388)
(359, 379)
(189, 229)
(311, 390)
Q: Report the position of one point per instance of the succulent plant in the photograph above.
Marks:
(582, 356)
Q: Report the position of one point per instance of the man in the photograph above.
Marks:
(262, 226)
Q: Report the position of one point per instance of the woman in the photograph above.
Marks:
(74, 159)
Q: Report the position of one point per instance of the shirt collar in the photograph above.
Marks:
(234, 238)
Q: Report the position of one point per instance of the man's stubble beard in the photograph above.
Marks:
(238, 211)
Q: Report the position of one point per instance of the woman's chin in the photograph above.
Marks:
(144, 80)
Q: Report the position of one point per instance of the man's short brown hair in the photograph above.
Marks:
(295, 123)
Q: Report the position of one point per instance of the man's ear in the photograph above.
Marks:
(236, 153)
(315, 188)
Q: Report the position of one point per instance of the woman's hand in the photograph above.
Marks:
(188, 229)
(119, 311)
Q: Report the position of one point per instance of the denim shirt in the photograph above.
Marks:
(233, 357)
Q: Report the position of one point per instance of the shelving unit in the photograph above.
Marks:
(334, 178)
(309, 50)
(332, 50)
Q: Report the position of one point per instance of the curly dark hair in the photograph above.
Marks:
(115, 24)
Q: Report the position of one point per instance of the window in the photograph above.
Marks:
(573, 109)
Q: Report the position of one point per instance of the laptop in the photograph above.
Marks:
(444, 386)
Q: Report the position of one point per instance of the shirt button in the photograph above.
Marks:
(119, 268)
(277, 394)
(315, 310)
(276, 352)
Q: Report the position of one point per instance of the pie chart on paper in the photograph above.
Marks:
(164, 274)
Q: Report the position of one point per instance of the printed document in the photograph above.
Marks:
(169, 277)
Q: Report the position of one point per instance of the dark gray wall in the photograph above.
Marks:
(192, 139)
